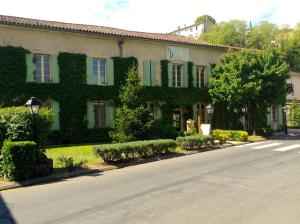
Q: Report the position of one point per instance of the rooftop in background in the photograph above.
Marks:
(107, 31)
(193, 31)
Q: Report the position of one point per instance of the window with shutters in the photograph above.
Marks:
(149, 73)
(177, 75)
(42, 68)
(201, 76)
(99, 71)
(290, 88)
(100, 115)
(274, 113)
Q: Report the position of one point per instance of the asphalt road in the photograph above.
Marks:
(257, 183)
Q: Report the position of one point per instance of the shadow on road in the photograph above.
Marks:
(292, 135)
(5, 214)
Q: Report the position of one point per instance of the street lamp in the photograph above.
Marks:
(244, 110)
(285, 109)
(209, 110)
(33, 105)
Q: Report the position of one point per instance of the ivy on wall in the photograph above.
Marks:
(72, 92)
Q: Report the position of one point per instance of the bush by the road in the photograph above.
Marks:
(16, 124)
(231, 135)
(19, 159)
(193, 141)
(133, 150)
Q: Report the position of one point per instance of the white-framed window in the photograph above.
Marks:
(100, 115)
(42, 72)
(201, 75)
(177, 75)
(99, 71)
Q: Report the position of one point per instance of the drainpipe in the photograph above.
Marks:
(120, 45)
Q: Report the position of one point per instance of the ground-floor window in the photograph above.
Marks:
(274, 113)
(177, 119)
(100, 115)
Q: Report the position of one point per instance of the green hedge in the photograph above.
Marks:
(16, 124)
(19, 160)
(133, 150)
(193, 141)
(232, 135)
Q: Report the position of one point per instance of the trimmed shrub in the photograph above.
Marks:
(19, 159)
(231, 135)
(133, 150)
(193, 141)
(16, 124)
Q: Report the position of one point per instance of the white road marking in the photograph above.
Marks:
(249, 144)
(283, 149)
(267, 146)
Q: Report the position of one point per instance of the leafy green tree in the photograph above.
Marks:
(228, 33)
(249, 79)
(202, 19)
(292, 49)
(294, 114)
(262, 36)
(132, 115)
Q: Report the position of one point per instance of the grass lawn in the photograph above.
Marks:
(84, 152)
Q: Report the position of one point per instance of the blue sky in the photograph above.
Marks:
(153, 15)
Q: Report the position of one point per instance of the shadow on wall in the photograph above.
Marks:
(5, 214)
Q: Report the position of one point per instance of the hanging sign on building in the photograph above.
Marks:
(178, 53)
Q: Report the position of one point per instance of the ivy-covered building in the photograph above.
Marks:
(77, 70)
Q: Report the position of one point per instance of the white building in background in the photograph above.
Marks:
(194, 30)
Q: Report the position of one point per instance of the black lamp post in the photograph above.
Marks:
(33, 105)
(244, 110)
(285, 108)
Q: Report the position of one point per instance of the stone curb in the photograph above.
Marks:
(53, 178)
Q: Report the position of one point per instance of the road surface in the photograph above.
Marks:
(255, 183)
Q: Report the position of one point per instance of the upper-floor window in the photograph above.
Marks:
(99, 71)
(201, 79)
(177, 75)
(100, 115)
(42, 68)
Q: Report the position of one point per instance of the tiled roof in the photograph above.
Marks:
(106, 31)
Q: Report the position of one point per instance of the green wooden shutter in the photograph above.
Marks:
(110, 116)
(208, 75)
(194, 76)
(30, 68)
(89, 71)
(147, 75)
(170, 76)
(153, 73)
(90, 115)
(54, 69)
(269, 116)
(55, 109)
(185, 75)
(110, 71)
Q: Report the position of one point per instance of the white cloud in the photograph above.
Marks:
(155, 15)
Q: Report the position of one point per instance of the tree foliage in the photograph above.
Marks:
(227, 33)
(132, 115)
(294, 114)
(249, 79)
(203, 18)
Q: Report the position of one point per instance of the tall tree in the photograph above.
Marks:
(228, 33)
(132, 115)
(249, 79)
